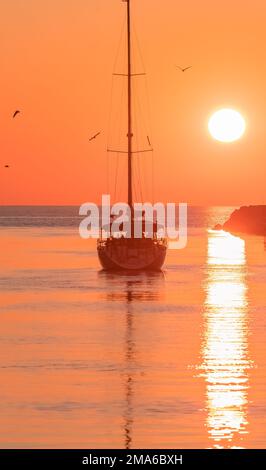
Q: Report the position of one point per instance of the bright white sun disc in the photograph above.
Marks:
(226, 125)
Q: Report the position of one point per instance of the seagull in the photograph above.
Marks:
(7, 166)
(94, 136)
(186, 68)
(148, 139)
(15, 113)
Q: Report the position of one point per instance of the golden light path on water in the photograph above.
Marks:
(225, 344)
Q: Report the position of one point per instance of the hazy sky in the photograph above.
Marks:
(56, 62)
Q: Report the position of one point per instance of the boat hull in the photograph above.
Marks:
(132, 254)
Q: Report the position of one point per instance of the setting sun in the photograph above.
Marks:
(132, 233)
(226, 125)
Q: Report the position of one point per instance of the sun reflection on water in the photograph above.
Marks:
(225, 343)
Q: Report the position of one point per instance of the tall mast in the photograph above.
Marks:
(129, 134)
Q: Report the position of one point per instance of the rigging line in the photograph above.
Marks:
(110, 112)
(150, 132)
(148, 127)
(119, 136)
(135, 185)
(135, 133)
(139, 177)
(145, 178)
(142, 113)
(123, 186)
(152, 178)
(125, 151)
(120, 108)
(120, 187)
(138, 47)
(119, 139)
(107, 173)
(119, 47)
(139, 110)
(108, 135)
(135, 126)
(140, 163)
(121, 115)
(126, 75)
(135, 190)
(118, 130)
(138, 174)
(122, 35)
(116, 173)
(137, 162)
(114, 67)
(151, 135)
(119, 52)
(149, 109)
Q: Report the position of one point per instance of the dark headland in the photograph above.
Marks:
(249, 220)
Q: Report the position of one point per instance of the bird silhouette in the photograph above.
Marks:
(7, 166)
(15, 113)
(183, 70)
(94, 136)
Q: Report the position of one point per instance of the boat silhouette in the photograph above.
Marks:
(130, 252)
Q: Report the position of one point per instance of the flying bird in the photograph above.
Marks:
(15, 113)
(183, 70)
(7, 166)
(94, 136)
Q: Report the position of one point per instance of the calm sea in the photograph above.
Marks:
(89, 359)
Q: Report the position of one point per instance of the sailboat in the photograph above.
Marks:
(122, 253)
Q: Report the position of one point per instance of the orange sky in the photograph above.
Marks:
(56, 60)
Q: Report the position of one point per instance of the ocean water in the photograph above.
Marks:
(89, 359)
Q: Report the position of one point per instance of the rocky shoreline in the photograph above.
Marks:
(250, 220)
